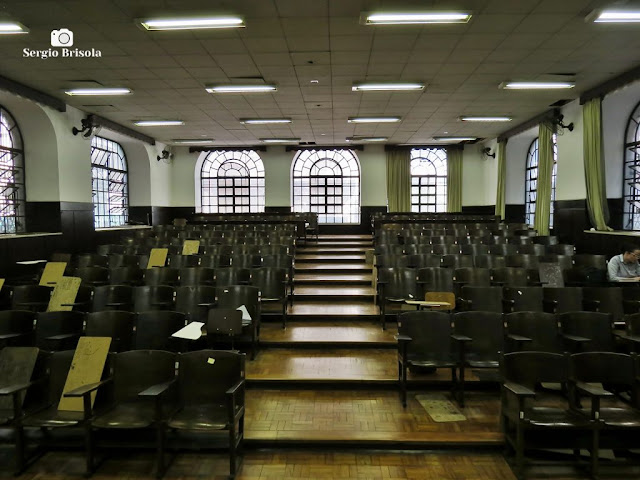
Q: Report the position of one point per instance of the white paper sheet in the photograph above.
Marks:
(193, 331)
(245, 313)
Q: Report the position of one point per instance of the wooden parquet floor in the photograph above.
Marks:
(335, 364)
(375, 417)
(327, 331)
(284, 465)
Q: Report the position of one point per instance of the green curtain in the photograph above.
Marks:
(399, 180)
(545, 168)
(502, 178)
(594, 173)
(454, 179)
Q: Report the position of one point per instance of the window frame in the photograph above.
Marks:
(210, 197)
(102, 197)
(310, 169)
(631, 172)
(428, 181)
(534, 152)
(12, 175)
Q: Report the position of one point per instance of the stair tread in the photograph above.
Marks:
(336, 266)
(327, 332)
(333, 290)
(332, 277)
(323, 309)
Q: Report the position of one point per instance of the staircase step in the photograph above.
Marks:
(334, 293)
(321, 311)
(326, 250)
(344, 238)
(332, 279)
(348, 268)
(327, 335)
(313, 258)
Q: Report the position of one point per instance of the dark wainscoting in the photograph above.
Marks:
(76, 221)
(570, 219)
(165, 215)
(616, 210)
(14, 249)
(514, 213)
(140, 215)
(283, 210)
(42, 217)
(479, 209)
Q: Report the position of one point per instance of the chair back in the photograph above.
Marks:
(205, 376)
(115, 324)
(154, 329)
(138, 370)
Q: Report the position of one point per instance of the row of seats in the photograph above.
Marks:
(204, 249)
(180, 261)
(150, 330)
(155, 391)
(595, 407)
(478, 339)
(484, 238)
(483, 261)
(475, 249)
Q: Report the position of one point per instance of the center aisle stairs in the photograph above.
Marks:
(330, 378)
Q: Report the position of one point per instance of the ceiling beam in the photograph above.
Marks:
(116, 127)
(533, 122)
(32, 94)
(609, 86)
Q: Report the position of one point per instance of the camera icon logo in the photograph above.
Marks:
(62, 38)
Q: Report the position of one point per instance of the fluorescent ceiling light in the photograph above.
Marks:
(12, 28)
(158, 123)
(241, 88)
(367, 139)
(536, 85)
(264, 121)
(372, 87)
(192, 141)
(373, 119)
(611, 16)
(279, 140)
(413, 18)
(97, 91)
(191, 23)
(484, 119)
(455, 139)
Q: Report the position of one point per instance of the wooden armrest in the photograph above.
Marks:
(232, 390)
(86, 389)
(519, 390)
(592, 390)
(9, 336)
(461, 338)
(157, 390)
(64, 336)
(519, 338)
(575, 338)
(402, 338)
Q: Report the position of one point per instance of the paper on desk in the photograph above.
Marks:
(245, 312)
(193, 331)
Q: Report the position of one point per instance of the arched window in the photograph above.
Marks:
(531, 182)
(631, 186)
(428, 180)
(109, 185)
(11, 175)
(327, 182)
(232, 182)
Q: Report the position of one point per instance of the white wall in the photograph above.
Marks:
(478, 177)
(570, 183)
(517, 148)
(40, 148)
(616, 108)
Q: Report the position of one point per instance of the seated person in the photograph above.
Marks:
(625, 267)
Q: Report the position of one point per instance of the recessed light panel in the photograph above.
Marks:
(280, 140)
(373, 119)
(484, 118)
(416, 18)
(191, 23)
(536, 85)
(12, 28)
(158, 123)
(455, 139)
(191, 141)
(241, 88)
(97, 91)
(264, 121)
(373, 87)
(616, 16)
